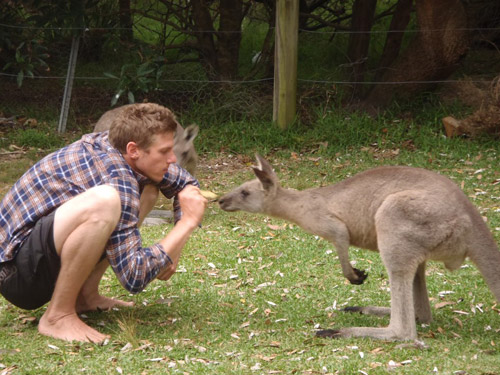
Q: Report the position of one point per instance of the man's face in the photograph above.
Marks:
(154, 161)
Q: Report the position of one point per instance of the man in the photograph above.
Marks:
(78, 210)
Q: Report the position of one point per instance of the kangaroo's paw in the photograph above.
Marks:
(331, 333)
(361, 277)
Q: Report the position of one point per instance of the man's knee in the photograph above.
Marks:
(104, 202)
(100, 204)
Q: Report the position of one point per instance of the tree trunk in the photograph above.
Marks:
(218, 50)
(126, 33)
(363, 12)
(229, 37)
(433, 55)
(205, 35)
(394, 39)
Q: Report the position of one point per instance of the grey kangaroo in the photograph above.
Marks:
(183, 147)
(409, 215)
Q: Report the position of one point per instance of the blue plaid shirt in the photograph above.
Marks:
(64, 174)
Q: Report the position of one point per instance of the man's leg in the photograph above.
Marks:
(149, 197)
(82, 227)
(89, 298)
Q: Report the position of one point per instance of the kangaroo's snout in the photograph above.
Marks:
(225, 203)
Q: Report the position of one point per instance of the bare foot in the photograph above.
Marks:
(70, 328)
(98, 302)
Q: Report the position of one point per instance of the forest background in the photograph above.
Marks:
(213, 61)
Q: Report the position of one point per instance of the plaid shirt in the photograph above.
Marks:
(62, 175)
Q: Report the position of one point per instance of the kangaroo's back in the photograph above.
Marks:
(104, 122)
(357, 200)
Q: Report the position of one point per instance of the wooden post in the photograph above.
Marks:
(285, 62)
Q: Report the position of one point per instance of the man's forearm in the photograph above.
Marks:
(173, 244)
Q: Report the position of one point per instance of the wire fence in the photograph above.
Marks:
(323, 75)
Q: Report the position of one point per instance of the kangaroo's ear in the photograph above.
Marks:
(191, 132)
(265, 173)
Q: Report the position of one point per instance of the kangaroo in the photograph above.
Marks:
(409, 215)
(183, 147)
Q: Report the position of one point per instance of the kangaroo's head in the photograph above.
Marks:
(184, 147)
(255, 195)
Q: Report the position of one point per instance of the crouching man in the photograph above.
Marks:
(77, 211)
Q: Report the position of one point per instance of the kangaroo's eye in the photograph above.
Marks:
(244, 193)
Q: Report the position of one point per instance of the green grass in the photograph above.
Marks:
(251, 290)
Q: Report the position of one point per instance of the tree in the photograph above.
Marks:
(125, 21)
(363, 14)
(210, 28)
(441, 41)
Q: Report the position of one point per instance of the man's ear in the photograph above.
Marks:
(132, 150)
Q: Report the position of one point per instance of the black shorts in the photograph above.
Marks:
(30, 278)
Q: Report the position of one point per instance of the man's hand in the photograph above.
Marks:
(193, 205)
(167, 272)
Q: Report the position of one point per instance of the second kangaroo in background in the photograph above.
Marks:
(183, 148)
(409, 215)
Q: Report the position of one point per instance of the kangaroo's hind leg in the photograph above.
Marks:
(403, 254)
(421, 301)
(402, 323)
(420, 297)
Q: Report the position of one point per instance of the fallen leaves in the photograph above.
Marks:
(25, 319)
(442, 304)
(458, 321)
(275, 344)
(7, 370)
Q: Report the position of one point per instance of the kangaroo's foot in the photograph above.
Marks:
(368, 310)
(386, 333)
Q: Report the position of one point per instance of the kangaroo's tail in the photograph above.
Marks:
(486, 255)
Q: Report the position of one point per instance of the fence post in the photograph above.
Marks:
(285, 62)
(70, 76)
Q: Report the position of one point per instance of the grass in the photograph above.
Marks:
(251, 290)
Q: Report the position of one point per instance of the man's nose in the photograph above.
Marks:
(172, 158)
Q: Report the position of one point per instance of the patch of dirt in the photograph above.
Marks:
(214, 173)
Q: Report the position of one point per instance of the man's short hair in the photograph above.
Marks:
(139, 123)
